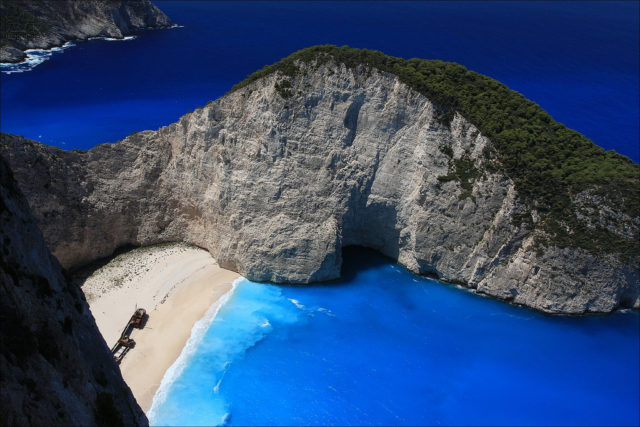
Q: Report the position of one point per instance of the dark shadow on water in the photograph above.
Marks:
(356, 259)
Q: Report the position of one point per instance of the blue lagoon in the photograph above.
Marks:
(383, 346)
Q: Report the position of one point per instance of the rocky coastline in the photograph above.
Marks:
(275, 178)
(30, 24)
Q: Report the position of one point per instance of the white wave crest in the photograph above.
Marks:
(197, 333)
(296, 303)
(34, 58)
(224, 419)
(216, 388)
(113, 39)
(326, 311)
(255, 312)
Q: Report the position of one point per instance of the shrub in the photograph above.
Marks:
(547, 162)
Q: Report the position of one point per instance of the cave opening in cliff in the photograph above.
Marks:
(356, 259)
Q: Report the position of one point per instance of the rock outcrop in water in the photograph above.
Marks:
(42, 24)
(277, 176)
(55, 368)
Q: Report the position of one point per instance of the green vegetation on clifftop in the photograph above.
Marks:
(547, 162)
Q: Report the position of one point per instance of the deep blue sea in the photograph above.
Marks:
(579, 61)
(381, 346)
(385, 347)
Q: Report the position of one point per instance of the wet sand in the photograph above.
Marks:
(176, 284)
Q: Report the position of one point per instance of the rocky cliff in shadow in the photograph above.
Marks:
(55, 368)
(277, 176)
(42, 24)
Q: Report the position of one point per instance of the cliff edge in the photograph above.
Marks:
(42, 24)
(55, 368)
(443, 169)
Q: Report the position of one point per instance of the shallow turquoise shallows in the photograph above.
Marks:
(383, 347)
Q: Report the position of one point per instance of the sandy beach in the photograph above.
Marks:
(176, 284)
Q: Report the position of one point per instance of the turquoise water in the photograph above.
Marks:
(381, 346)
(385, 347)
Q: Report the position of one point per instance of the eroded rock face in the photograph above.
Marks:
(10, 54)
(55, 368)
(54, 22)
(274, 187)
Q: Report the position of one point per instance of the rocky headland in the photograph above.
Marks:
(43, 24)
(55, 368)
(442, 169)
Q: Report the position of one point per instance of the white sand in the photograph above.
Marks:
(176, 284)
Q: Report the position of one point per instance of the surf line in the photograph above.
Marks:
(197, 334)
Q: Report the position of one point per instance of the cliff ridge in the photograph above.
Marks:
(322, 151)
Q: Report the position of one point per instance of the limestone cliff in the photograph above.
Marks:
(55, 368)
(41, 24)
(277, 176)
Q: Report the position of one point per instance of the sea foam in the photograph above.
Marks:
(124, 39)
(383, 349)
(34, 58)
(197, 333)
(192, 390)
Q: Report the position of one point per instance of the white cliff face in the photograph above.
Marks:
(274, 187)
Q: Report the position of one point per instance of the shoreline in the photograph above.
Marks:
(33, 58)
(37, 55)
(197, 334)
(178, 285)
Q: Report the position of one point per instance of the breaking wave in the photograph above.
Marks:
(34, 58)
(114, 39)
(248, 314)
(197, 334)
